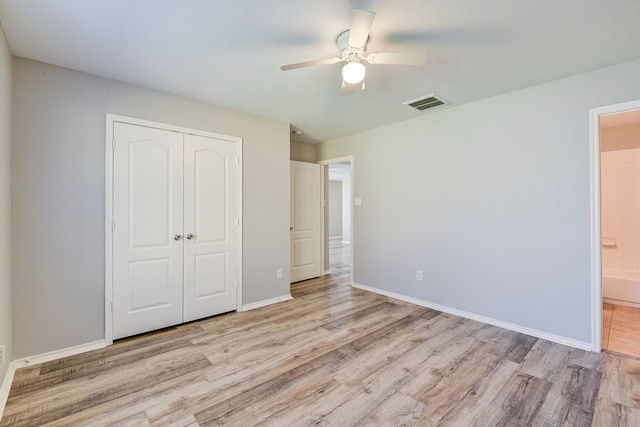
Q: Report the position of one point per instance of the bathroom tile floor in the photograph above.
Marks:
(621, 329)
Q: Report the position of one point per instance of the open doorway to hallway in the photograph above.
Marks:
(338, 216)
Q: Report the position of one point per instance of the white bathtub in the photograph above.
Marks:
(621, 287)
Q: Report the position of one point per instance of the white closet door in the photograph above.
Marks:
(306, 201)
(147, 241)
(210, 215)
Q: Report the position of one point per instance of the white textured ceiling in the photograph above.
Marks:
(228, 52)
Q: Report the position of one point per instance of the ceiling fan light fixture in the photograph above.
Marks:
(353, 72)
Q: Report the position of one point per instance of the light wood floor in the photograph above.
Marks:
(621, 329)
(333, 356)
(339, 257)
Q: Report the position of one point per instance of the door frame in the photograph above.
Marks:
(324, 193)
(596, 226)
(108, 216)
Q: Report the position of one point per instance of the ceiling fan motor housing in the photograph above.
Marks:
(348, 52)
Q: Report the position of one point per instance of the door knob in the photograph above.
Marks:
(177, 236)
(290, 228)
(190, 236)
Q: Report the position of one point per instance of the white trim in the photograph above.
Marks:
(6, 386)
(266, 302)
(108, 234)
(324, 197)
(59, 354)
(240, 151)
(596, 247)
(324, 177)
(596, 230)
(620, 302)
(108, 286)
(488, 320)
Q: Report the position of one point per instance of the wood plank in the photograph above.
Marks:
(545, 360)
(517, 403)
(512, 345)
(572, 397)
(455, 389)
(397, 410)
(346, 321)
(621, 380)
(613, 414)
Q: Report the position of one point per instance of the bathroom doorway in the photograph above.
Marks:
(620, 228)
(615, 168)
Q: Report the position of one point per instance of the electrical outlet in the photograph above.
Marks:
(279, 273)
(1, 354)
(419, 275)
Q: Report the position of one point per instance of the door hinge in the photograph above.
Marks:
(238, 161)
(113, 145)
(237, 222)
(113, 226)
(113, 306)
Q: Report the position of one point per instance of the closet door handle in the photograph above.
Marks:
(177, 236)
(190, 236)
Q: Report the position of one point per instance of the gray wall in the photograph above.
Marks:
(494, 206)
(335, 208)
(58, 162)
(303, 152)
(346, 209)
(5, 203)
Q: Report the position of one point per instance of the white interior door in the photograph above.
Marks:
(211, 226)
(305, 221)
(147, 244)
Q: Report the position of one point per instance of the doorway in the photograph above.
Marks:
(620, 220)
(338, 217)
(615, 235)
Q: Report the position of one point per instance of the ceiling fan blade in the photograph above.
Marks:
(347, 88)
(327, 61)
(361, 21)
(397, 58)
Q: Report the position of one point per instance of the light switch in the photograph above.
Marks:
(357, 201)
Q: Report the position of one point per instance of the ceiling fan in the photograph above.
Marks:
(352, 45)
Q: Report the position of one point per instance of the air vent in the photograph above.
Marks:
(426, 102)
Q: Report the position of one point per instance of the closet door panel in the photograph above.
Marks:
(210, 215)
(147, 269)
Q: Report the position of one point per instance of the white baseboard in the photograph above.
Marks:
(346, 242)
(472, 316)
(620, 302)
(6, 386)
(59, 354)
(266, 302)
(41, 358)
